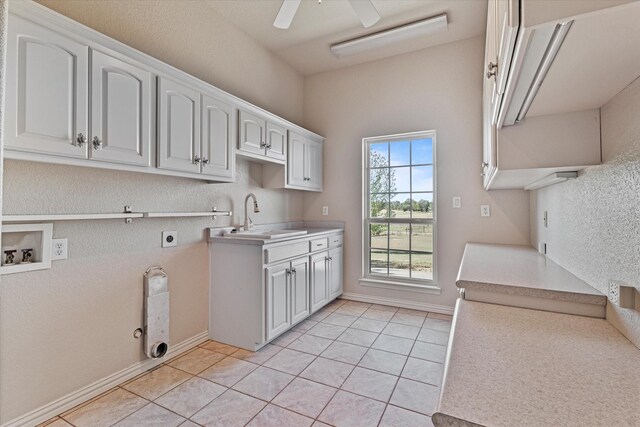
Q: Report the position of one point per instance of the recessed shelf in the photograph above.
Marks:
(19, 237)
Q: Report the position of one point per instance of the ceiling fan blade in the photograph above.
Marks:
(286, 14)
(366, 12)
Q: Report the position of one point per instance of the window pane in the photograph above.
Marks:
(379, 180)
(422, 151)
(379, 154)
(400, 208)
(422, 266)
(423, 205)
(422, 237)
(399, 236)
(400, 179)
(378, 262)
(379, 206)
(400, 153)
(379, 236)
(422, 178)
(399, 264)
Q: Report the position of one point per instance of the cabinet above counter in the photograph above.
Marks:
(84, 99)
(550, 66)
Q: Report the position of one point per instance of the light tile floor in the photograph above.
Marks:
(349, 364)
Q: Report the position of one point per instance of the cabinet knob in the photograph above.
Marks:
(263, 144)
(81, 140)
(97, 143)
(196, 160)
(288, 272)
(483, 174)
(205, 161)
(493, 70)
(293, 270)
(268, 146)
(484, 165)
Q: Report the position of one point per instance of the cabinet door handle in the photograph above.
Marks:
(288, 272)
(293, 271)
(196, 160)
(263, 144)
(81, 140)
(205, 161)
(493, 70)
(268, 146)
(97, 143)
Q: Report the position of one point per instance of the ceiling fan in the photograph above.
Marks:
(364, 9)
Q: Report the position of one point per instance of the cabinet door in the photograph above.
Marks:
(46, 86)
(319, 281)
(314, 174)
(300, 289)
(508, 21)
(296, 164)
(218, 156)
(120, 111)
(491, 56)
(276, 141)
(179, 127)
(252, 133)
(278, 300)
(335, 267)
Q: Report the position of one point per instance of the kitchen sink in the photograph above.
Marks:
(266, 234)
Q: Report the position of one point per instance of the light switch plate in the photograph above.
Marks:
(457, 202)
(485, 211)
(325, 210)
(169, 239)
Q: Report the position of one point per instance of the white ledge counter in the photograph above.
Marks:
(509, 366)
(520, 276)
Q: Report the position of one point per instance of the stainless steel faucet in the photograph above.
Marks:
(247, 221)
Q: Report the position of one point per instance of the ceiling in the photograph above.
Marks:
(305, 45)
(599, 57)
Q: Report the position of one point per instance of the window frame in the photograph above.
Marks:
(377, 279)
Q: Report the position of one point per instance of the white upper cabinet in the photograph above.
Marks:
(276, 141)
(261, 139)
(46, 85)
(218, 136)
(296, 165)
(252, 133)
(304, 163)
(77, 97)
(120, 111)
(178, 127)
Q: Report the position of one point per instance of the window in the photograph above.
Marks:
(399, 211)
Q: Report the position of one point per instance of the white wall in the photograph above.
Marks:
(438, 88)
(594, 221)
(64, 328)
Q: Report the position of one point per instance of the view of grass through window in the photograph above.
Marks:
(400, 198)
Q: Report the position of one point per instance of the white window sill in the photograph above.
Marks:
(400, 286)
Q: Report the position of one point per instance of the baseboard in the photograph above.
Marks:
(77, 397)
(434, 308)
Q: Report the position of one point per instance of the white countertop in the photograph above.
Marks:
(521, 270)
(311, 233)
(510, 366)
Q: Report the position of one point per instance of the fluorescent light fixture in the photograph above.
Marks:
(557, 38)
(383, 38)
(554, 178)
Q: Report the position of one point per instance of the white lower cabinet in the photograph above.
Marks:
(287, 295)
(258, 291)
(335, 272)
(319, 280)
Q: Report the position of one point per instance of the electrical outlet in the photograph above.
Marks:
(58, 249)
(485, 211)
(169, 238)
(457, 202)
(325, 210)
(621, 294)
(546, 219)
(542, 248)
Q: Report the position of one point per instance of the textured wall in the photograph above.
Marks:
(64, 328)
(594, 221)
(438, 88)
